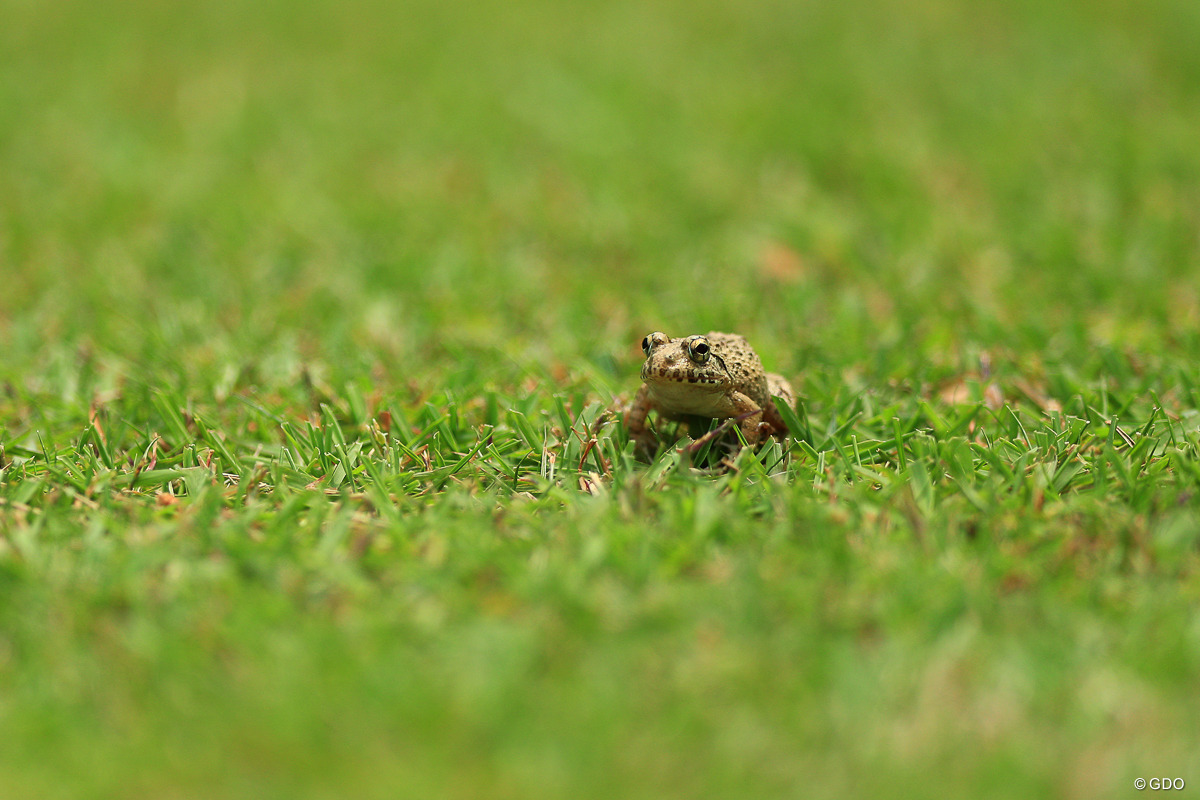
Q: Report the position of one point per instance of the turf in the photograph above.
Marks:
(313, 315)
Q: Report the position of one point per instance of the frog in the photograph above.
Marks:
(714, 375)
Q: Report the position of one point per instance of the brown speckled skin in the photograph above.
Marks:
(729, 384)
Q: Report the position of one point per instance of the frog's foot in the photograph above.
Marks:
(772, 424)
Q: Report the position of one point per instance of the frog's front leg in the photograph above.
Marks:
(635, 420)
(751, 418)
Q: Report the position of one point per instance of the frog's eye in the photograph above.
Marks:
(699, 349)
(652, 341)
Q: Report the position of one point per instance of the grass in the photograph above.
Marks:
(313, 314)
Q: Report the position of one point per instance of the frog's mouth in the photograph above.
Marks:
(688, 374)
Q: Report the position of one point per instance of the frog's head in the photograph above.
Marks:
(691, 360)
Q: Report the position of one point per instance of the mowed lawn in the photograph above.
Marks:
(314, 314)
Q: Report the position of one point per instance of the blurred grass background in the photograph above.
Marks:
(499, 200)
(545, 177)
